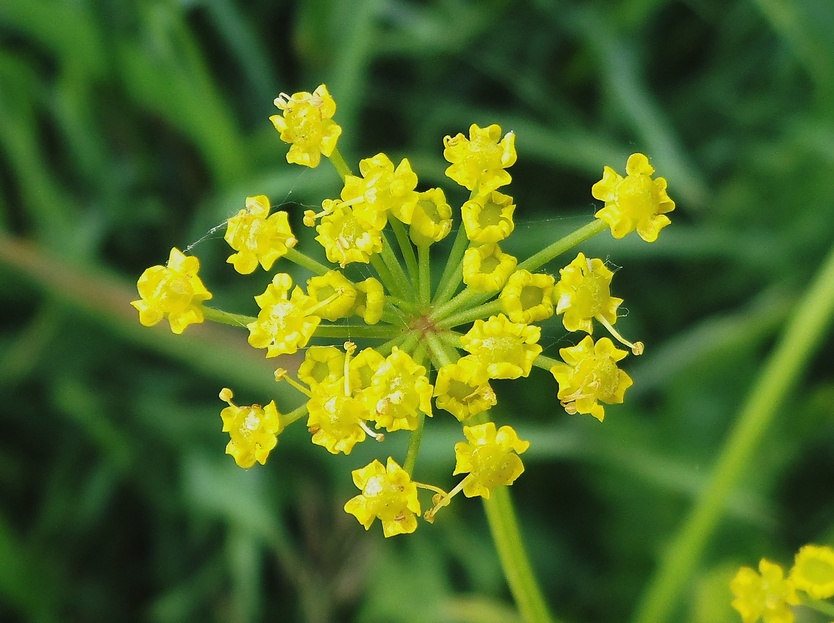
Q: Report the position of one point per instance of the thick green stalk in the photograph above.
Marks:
(424, 274)
(297, 257)
(339, 164)
(799, 341)
(554, 250)
(503, 525)
(396, 268)
(350, 331)
(406, 248)
(453, 273)
(224, 317)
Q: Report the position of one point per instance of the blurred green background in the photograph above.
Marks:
(130, 127)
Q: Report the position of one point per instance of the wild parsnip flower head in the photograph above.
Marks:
(258, 237)
(306, 123)
(479, 162)
(813, 571)
(590, 376)
(490, 457)
(253, 430)
(766, 595)
(388, 494)
(635, 202)
(425, 335)
(173, 291)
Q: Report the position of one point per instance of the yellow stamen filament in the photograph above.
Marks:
(636, 347)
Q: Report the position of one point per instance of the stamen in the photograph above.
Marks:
(282, 375)
(371, 433)
(445, 499)
(636, 347)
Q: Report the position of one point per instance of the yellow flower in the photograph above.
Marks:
(636, 202)
(463, 389)
(370, 300)
(346, 238)
(173, 291)
(431, 220)
(528, 297)
(399, 390)
(258, 237)
(479, 161)
(381, 190)
(307, 125)
(321, 363)
(331, 295)
(490, 458)
(284, 323)
(388, 495)
(589, 376)
(583, 293)
(336, 420)
(362, 369)
(486, 268)
(253, 430)
(766, 596)
(506, 349)
(813, 571)
(488, 217)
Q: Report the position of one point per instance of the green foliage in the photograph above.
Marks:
(127, 128)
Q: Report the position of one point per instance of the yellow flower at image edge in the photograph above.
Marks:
(635, 202)
(766, 595)
(388, 495)
(253, 430)
(307, 125)
(490, 457)
(813, 571)
(589, 376)
(173, 291)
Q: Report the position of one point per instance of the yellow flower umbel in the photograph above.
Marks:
(635, 202)
(474, 320)
(479, 162)
(173, 291)
(766, 595)
(306, 123)
(589, 376)
(253, 430)
(388, 495)
(813, 571)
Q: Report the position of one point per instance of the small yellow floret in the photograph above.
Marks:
(173, 291)
(486, 268)
(583, 293)
(431, 220)
(258, 237)
(253, 430)
(635, 202)
(307, 125)
(284, 323)
(488, 217)
(490, 457)
(506, 349)
(399, 390)
(388, 494)
(336, 420)
(321, 363)
(766, 596)
(479, 162)
(346, 238)
(589, 376)
(528, 297)
(370, 300)
(381, 190)
(813, 571)
(331, 294)
(462, 388)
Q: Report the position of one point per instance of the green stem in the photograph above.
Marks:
(396, 269)
(439, 351)
(544, 362)
(503, 524)
(297, 257)
(224, 317)
(294, 415)
(424, 274)
(414, 441)
(357, 331)
(469, 315)
(453, 272)
(406, 248)
(385, 276)
(339, 164)
(406, 306)
(563, 244)
(818, 605)
(798, 342)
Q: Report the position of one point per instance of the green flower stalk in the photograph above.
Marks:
(430, 343)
